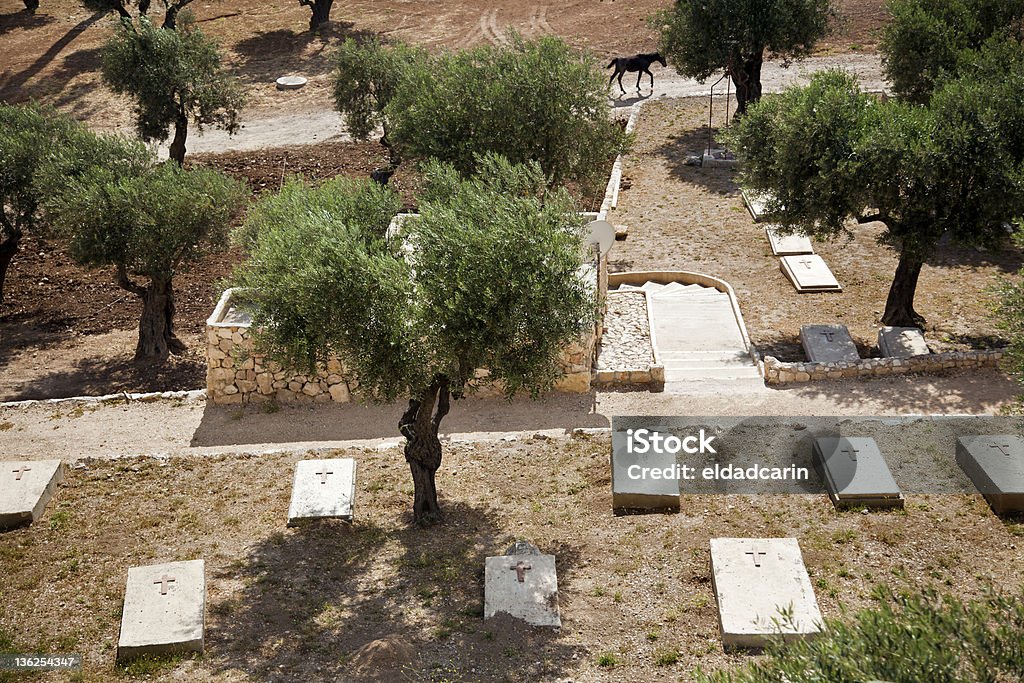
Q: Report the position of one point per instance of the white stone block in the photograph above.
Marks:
(323, 489)
(25, 489)
(164, 610)
(523, 585)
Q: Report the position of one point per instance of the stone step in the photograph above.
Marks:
(650, 286)
(699, 387)
(718, 372)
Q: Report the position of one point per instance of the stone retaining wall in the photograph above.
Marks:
(779, 372)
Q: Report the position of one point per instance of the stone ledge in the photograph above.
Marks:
(779, 372)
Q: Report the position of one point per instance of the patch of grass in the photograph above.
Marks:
(608, 660)
(149, 666)
(6, 426)
(667, 656)
(60, 520)
(844, 536)
(653, 635)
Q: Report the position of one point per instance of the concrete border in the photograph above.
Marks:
(611, 193)
(193, 395)
(779, 372)
(664, 277)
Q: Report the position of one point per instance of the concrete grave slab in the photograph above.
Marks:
(828, 344)
(754, 579)
(788, 245)
(164, 610)
(523, 584)
(996, 466)
(717, 157)
(809, 273)
(902, 342)
(855, 473)
(323, 489)
(637, 484)
(26, 486)
(756, 203)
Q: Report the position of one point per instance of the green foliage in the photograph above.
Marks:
(906, 638)
(170, 75)
(928, 40)
(486, 276)
(701, 37)
(29, 135)
(531, 100)
(149, 221)
(366, 78)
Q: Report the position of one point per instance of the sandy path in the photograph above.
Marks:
(319, 122)
(175, 427)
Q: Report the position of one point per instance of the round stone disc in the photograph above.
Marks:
(290, 82)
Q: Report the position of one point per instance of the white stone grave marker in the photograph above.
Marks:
(809, 273)
(523, 584)
(323, 488)
(828, 344)
(855, 473)
(756, 203)
(637, 479)
(788, 245)
(754, 580)
(902, 342)
(26, 486)
(996, 466)
(164, 610)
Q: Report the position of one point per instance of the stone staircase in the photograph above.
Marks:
(698, 340)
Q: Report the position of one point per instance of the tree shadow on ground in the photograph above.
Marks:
(968, 391)
(23, 330)
(234, 425)
(690, 143)
(23, 20)
(12, 86)
(101, 375)
(269, 55)
(366, 602)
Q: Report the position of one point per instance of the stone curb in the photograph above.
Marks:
(779, 372)
(193, 395)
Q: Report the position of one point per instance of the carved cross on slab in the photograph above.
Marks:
(163, 581)
(323, 475)
(756, 555)
(1003, 448)
(20, 471)
(828, 336)
(520, 569)
(852, 452)
(807, 264)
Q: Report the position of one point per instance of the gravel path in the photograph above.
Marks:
(626, 343)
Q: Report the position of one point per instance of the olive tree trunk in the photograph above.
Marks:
(420, 425)
(156, 325)
(899, 306)
(321, 12)
(171, 17)
(177, 150)
(8, 248)
(31, 6)
(746, 77)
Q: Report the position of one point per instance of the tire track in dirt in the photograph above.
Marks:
(539, 21)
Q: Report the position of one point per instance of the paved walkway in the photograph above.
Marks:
(699, 340)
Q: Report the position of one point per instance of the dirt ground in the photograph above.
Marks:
(684, 217)
(383, 600)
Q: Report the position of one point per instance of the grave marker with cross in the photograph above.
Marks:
(829, 336)
(851, 452)
(20, 471)
(1002, 448)
(807, 263)
(323, 475)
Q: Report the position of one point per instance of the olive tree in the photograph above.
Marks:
(149, 222)
(485, 278)
(29, 134)
(702, 37)
(173, 77)
(827, 153)
(171, 9)
(531, 100)
(929, 39)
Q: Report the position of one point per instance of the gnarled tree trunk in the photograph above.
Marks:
(420, 425)
(177, 150)
(156, 325)
(171, 17)
(746, 76)
(899, 306)
(8, 248)
(321, 12)
(31, 6)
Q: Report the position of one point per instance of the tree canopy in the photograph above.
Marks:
(927, 40)
(173, 77)
(531, 100)
(485, 277)
(827, 153)
(147, 221)
(702, 37)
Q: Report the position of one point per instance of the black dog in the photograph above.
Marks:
(641, 63)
